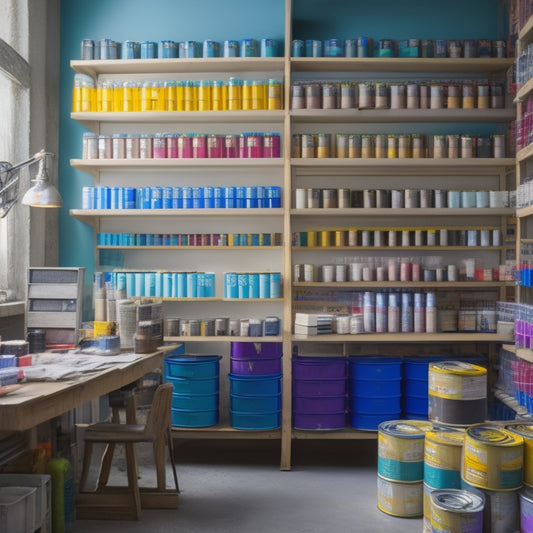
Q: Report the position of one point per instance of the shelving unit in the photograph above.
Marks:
(291, 173)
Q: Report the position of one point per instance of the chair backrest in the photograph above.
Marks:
(158, 419)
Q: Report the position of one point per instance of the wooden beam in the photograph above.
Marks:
(14, 65)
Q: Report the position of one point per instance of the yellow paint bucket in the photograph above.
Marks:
(400, 499)
(457, 393)
(401, 449)
(492, 458)
(456, 510)
(526, 432)
(442, 458)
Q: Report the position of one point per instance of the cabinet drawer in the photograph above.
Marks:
(49, 291)
(52, 320)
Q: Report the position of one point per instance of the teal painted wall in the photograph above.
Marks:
(120, 20)
(235, 19)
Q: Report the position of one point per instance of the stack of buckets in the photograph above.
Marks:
(195, 394)
(255, 385)
(401, 466)
(319, 393)
(375, 391)
(472, 470)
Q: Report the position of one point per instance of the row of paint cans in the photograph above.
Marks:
(457, 393)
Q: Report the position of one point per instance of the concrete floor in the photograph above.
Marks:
(237, 487)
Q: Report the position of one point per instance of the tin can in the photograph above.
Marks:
(210, 48)
(455, 48)
(456, 510)
(313, 48)
(167, 49)
(364, 47)
(108, 49)
(231, 48)
(398, 96)
(333, 48)
(470, 48)
(87, 49)
(313, 96)
(355, 146)
(298, 48)
(499, 49)
(350, 48)
(381, 98)
(498, 146)
(347, 95)
(329, 96)
(148, 50)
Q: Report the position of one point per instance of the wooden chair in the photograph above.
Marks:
(125, 503)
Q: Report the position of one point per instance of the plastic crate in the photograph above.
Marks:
(43, 496)
(17, 506)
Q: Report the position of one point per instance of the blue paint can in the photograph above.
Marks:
(231, 48)
(148, 50)
(231, 288)
(181, 285)
(156, 200)
(275, 285)
(313, 48)
(211, 48)
(364, 48)
(187, 198)
(243, 283)
(130, 50)
(333, 48)
(248, 48)
(87, 49)
(269, 48)
(177, 198)
(350, 48)
(298, 48)
(189, 49)
(192, 285)
(264, 285)
(167, 49)
(253, 286)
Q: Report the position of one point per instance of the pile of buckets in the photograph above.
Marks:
(457, 471)
(255, 385)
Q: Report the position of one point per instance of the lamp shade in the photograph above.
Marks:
(42, 194)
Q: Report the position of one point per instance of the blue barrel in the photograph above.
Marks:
(195, 398)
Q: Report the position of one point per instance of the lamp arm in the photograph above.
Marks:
(33, 159)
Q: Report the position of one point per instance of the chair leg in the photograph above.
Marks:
(170, 445)
(159, 459)
(87, 454)
(131, 466)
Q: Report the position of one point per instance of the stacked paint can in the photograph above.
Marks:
(457, 393)
(375, 391)
(457, 510)
(442, 465)
(401, 466)
(492, 464)
(195, 396)
(319, 393)
(255, 385)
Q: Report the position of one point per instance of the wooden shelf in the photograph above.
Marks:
(452, 285)
(94, 166)
(525, 36)
(400, 64)
(178, 66)
(524, 353)
(92, 120)
(350, 116)
(398, 248)
(525, 153)
(91, 216)
(343, 434)
(403, 337)
(524, 91)
(214, 299)
(393, 212)
(524, 212)
(223, 431)
(189, 248)
(222, 338)
(423, 164)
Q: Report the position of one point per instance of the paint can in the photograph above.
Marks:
(456, 510)
(501, 509)
(400, 499)
(492, 458)
(457, 393)
(401, 449)
(442, 458)
(526, 432)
